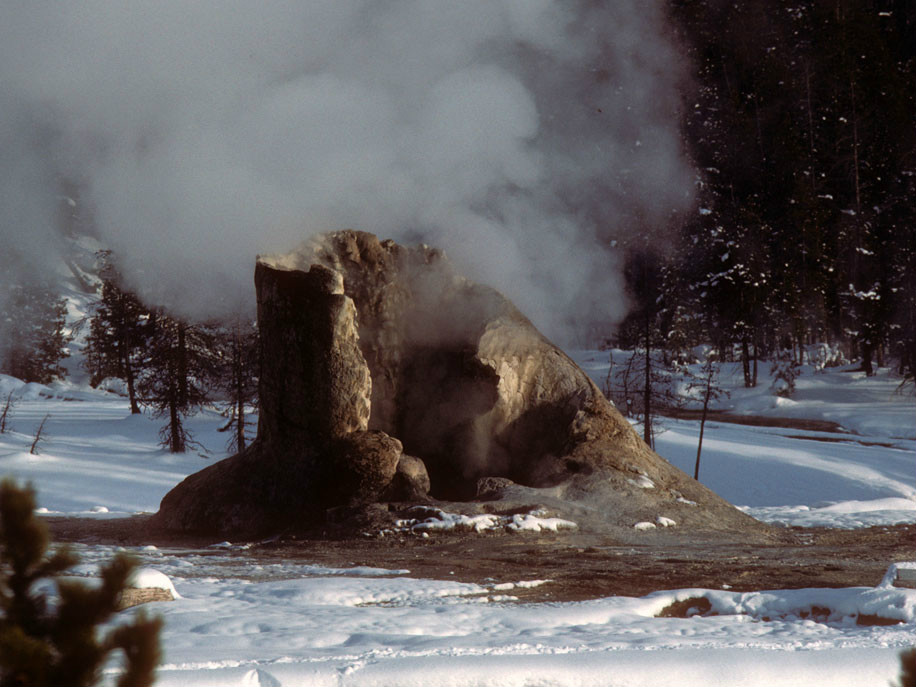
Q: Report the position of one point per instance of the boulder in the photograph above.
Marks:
(360, 466)
(410, 481)
(137, 597)
(382, 364)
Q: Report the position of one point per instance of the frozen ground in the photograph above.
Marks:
(293, 624)
(862, 477)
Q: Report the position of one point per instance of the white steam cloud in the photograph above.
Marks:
(520, 135)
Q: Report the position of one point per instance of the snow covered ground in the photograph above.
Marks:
(865, 476)
(246, 623)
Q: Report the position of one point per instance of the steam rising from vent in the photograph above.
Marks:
(522, 136)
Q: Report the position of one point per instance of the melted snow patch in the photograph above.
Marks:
(642, 482)
(531, 522)
(660, 521)
(524, 584)
(438, 520)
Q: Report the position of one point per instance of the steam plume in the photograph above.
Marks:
(520, 135)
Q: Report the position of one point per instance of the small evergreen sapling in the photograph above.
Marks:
(57, 644)
(785, 371)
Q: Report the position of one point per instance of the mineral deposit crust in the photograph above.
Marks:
(387, 375)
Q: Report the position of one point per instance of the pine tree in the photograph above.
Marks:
(176, 374)
(647, 382)
(803, 128)
(33, 339)
(119, 329)
(238, 348)
(44, 644)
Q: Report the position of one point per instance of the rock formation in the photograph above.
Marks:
(387, 375)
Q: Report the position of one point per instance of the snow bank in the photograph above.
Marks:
(150, 578)
(893, 572)
(844, 514)
(837, 606)
(401, 631)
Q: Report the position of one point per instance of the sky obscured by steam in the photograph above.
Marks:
(520, 135)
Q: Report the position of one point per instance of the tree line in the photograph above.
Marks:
(168, 364)
(801, 123)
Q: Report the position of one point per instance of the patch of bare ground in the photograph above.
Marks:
(578, 565)
(842, 440)
(700, 605)
(757, 421)
(844, 435)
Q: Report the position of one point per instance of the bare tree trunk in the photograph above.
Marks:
(9, 404)
(855, 147)
(609, 378)
(756, 358)
(746, 361)
(626, 386)
(696, 469)
(867, 353)
(239, 392)
(647, 391)
(176, 436)
(182, 365)
(38, 435)
(128, 373)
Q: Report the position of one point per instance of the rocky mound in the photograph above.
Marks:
(388, 376)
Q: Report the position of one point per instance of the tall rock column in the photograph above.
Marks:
(315, 384)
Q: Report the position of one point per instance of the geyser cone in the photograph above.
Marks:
(370, 351)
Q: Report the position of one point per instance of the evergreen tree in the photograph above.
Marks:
(119, 329)
(41, 644)
(176, 374)
(238, 347)
(32, 333)
(645, 379)
(785, 371)
(802, 123)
